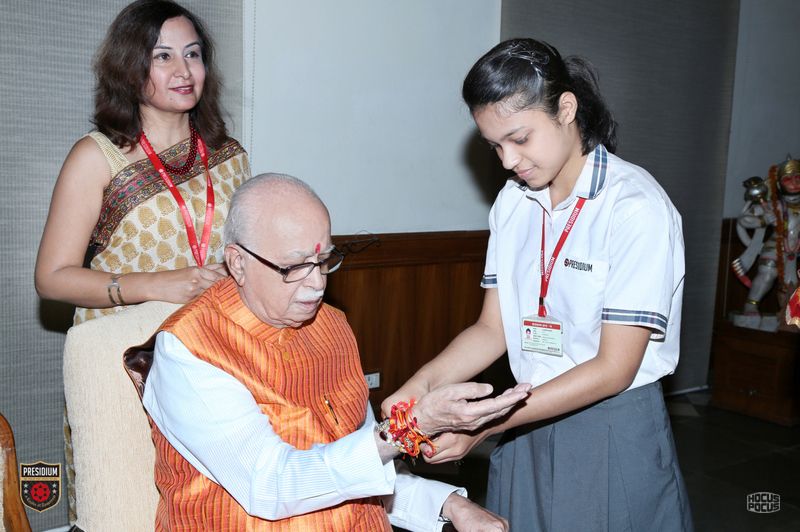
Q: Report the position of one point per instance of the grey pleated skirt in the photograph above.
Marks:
(611, 467)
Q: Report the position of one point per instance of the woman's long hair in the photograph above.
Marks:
(526, 73)
(122, 68)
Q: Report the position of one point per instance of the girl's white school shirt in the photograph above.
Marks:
(622, 263)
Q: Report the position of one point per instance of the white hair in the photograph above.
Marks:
(240, 213)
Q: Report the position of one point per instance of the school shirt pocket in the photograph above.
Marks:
(582, 283)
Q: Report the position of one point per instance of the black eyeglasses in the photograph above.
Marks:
(329, 263)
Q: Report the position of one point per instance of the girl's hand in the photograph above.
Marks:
(453, 407)
(453, 446)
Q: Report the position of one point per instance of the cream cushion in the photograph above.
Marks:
(112, 448)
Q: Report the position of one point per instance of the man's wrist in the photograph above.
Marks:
(385, 436)
(402, 431)
(449, 507)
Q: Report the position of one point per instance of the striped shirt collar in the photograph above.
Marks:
(593, 176)
(590, 182)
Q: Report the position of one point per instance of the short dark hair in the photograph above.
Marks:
(122, 68)
(526, 73)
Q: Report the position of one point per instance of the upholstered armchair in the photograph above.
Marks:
(112, 449)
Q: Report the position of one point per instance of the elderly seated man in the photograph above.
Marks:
(258, 403)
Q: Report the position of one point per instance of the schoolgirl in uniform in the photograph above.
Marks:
(584, 281)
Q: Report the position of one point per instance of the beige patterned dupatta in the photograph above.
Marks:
(140, 228)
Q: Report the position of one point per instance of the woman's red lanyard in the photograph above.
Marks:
(547, 273)
(198, 251)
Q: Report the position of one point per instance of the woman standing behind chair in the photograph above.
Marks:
(138, 208)
(152, 223)
(585, 251)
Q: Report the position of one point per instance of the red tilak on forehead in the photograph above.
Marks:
(317, 247)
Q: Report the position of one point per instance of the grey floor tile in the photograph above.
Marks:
(701, 398)
(703, 448)
(750, 429)
(776, 473)
(721, 506)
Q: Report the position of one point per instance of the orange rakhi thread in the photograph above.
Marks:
(402, 431)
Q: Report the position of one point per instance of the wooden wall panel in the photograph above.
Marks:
(406, 296)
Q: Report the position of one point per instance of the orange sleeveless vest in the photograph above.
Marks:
(294, 375)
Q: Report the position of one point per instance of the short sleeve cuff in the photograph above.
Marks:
(489, 280)
(654, 321)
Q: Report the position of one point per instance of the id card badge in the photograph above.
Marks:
(541, 335)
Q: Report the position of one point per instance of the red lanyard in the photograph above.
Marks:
(199, 252)
(547, 273)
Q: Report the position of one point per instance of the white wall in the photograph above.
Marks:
(361, 98)
(765, 124)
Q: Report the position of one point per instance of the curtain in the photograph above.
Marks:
(46, 49)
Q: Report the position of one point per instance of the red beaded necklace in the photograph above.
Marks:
(190, 158)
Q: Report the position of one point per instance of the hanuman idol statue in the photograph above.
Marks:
(774, 203)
